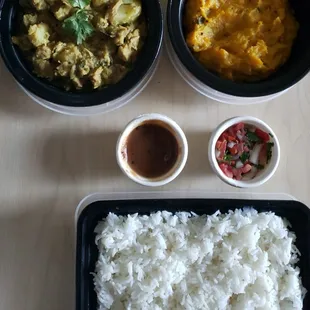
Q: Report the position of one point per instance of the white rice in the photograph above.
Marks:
(240, 260)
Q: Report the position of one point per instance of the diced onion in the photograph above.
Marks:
(217, 153)
(235, 157)
(239, 164)
(239, 135)
(231, 144)
(254, 156)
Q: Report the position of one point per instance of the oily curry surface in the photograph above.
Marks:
(78, 44)
(242, 40)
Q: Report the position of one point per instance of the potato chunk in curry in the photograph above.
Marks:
(241, 40)
(103, 58)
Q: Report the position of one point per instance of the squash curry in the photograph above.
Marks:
(78, 44)
(242, 40)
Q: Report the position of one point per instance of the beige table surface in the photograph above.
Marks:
(49, 162)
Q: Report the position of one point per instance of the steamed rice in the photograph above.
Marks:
(239, 260)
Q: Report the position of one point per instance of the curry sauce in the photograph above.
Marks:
(240, 39)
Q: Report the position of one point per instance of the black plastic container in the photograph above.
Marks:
(289, 74)
(43, 89)
(87, 253)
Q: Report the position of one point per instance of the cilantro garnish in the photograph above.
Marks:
(252, 136)
(244, 156)
(269, 145)
(81, 4)
(78, 24)
(259, 166)
(227, 157)
(271, 135)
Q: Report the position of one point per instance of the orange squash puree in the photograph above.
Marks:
(240, 39)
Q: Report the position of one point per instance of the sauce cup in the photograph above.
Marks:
(173, 128)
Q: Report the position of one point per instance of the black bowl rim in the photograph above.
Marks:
(42, 89)
(257, 89)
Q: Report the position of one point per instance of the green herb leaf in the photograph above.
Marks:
(269, 146)
(271, 135)
(252, 136)
(227, 157)
(78, 26)
(259, 166)
(244, 156)
(79, 3)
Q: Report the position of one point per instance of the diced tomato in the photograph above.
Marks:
(222, 149)
(218, 144)
(231, 131)
(246, 149)
(234, 150)
(233, 163)
(231, 138)
(237, 173)
(239, 126)
(262, 159)
(262, 134)
(246, 168)
(223, 136)
(240, 147)
(227, 170)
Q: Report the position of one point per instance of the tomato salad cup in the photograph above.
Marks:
(244, 152)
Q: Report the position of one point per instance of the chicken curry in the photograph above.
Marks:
(82, 43)
(241, 40)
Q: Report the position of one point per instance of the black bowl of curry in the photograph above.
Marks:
(248, 48)
(80, 53)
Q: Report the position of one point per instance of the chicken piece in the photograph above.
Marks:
(43, 68)
(133, 39)
(105, 56)
(118, 72)
(74, 78)
(101, 23)
(98, 3)
(22, 42)
(68, 53)
(52, 2)
(106, 75)
(30, 19)
(128, 51)
(121, 13)
(39, 5)
(43, 52)
(62, 11)
(86, 63)
(95, 77)
(38, 34)
(63, 69)
(122, 33)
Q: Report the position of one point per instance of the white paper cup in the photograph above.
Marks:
(174, 128)
(262, 176)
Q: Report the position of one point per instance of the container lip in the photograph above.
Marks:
(267, 173)
(42, 89)
(178, 167)
(259, 89)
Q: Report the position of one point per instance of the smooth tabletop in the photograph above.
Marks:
(49, 162)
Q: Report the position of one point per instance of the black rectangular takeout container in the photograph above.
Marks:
(86, 250)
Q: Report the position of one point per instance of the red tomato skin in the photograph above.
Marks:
(239, 126)
(218, 144)
(246, 168)
(233, 150)
(226, 170)
(262, 134)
